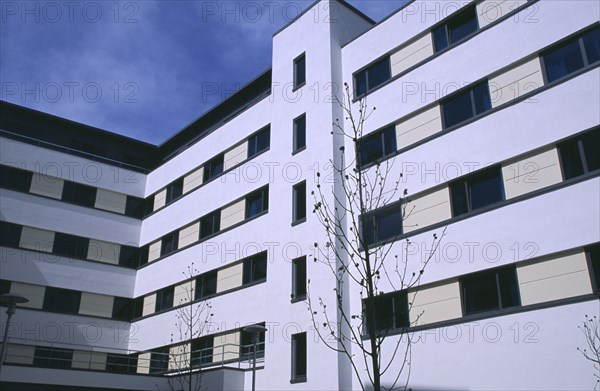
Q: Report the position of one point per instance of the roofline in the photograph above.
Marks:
(342, 2)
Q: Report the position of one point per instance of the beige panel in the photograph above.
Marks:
(37, 239)
(531, 173)
(230, 277)
(491, 10)
(20, 354)
(233, 214)
(149, 304)
(189, 235)
(46, 185)
(428, 209)
(89, 360)
(193, 180)
(96, 305)
(184, 292)
(154, 251)
(143, 363)
(35, 294)
(418, 127)
(235, 156)
(179, 357)
(412, 54)
(435, 304)
(110, 200)
(103, 251)
(160, 199)
(554, 279)
(516, 82)
(226, 347)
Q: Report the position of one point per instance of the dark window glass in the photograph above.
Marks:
(70, 246)
(255, 268)
(382, 224)
(121, 363)
(202, 351)
(164, 299)
(361, 83)
(210, 224)
(563, 60)
(135, 207)
(490, 290)
(257, 202)
(591, 42)
(581, 154)
(247, 345)
(174, 190)
(79, 194)
(259, 142)
(15, 179)
(213, 168)
(377, 145)
(123, 309)
(299, 133)
(466, 104)
(373, 76)
(4, 287)
(594, 256)
(138, 307)
(55, 358)
(159, 360)
(206, 285)
(129, 256)
(299, 202)
(299, 278)
(476, 191)
(299, 356)
(459, 26)
(61, 300)
(299, 71)
(10, 234)
(169, 243)
(391, 311)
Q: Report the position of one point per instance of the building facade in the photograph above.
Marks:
(489, 109)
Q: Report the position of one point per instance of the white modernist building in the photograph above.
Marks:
(490, 109)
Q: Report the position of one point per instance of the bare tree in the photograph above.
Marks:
(193, 321)
(352, 257)
(591, 331)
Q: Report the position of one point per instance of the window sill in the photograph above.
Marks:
(298, 299)
(296, 88)
(298, 222)
(298, 150)
(301, 379)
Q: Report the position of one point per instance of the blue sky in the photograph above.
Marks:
(146, 68)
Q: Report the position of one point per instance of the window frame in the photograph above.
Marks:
(249, 269)
(174, 191)
(261, 195)
(400, 317)
(15, 179)
(301, 59)
(297, 198)
(173, 239)
(164, 299)
(215, 223)
(470, 278)
(299, 351)
(254, 142)
(592, 254)
(484, 83)
(77, 246)
(213, 168)
(459, 14)
(296, 131)
(72, 191)
(202, 283)
(562, 148)
(53, 295)
(299, 279)
(385, 151)
(366, 70)
(467, 181)
(372, 219)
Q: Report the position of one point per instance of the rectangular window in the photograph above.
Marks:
(10, 234)
(377, 145)
(299, 357)
(4, 287)
(257, 202)
(174, 190)
(568, 57)
(466, 104)
(299, 71)
(247, 345)
(15, 179)
(55, 358)
(206, 285)
(259, 142)
(391, 311)
(490, 290)
(65, 301)
(382, 224)
(164, 299)
(476, 191)
(372, 76)
(255, 268)
(169, 243)
(458, 27)
(213, 168)
(210, 224)
(79, 194)
(202, 351)
(299, 136)
(131, 256)
(299, 203)
(299, 278)
(159, 360)
(593, 253)
(581, 154)
(70, 246)
(123, 309)
(137, 207)
(121, 363)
